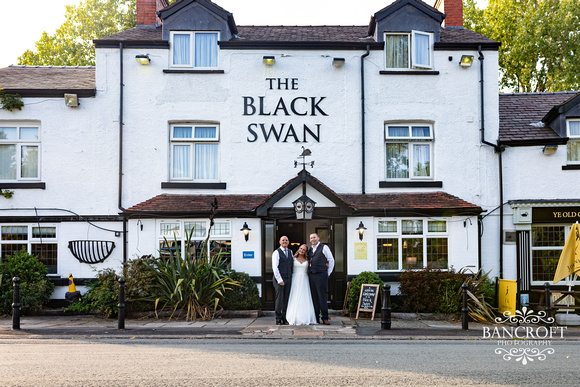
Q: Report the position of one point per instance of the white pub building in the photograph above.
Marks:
(383, 138)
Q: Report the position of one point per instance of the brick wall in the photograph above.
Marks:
(146, 12)
(454, 11)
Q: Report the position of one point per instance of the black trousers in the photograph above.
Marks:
(282, 296)
(319, 290)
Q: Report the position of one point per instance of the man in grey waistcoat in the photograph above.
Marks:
(321, 265)
(282, 264)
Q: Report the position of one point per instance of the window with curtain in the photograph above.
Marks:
(408, 50)
(19, 153)
(406, 244)
(408, 151)
(194, 152)
(194, 49)
(573, 146)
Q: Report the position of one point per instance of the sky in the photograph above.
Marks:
(17, 36)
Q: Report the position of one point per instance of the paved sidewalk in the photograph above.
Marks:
(403, 327)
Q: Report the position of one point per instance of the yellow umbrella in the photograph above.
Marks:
(569, 262)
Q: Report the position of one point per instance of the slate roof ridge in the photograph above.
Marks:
(542, 93)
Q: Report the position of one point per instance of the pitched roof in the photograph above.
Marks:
(521, 114)
(139, 37)
(387, 204)
(48, 81)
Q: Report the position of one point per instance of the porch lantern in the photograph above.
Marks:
(246, 230)
(361, 230)
(304, 207)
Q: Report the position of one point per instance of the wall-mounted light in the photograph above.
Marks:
(550, 149)
(466, 61)
(246, 231)
(361, 230)
(143, 59)
(304, 207)
(71, 100)
(269, 60)
(338, 62)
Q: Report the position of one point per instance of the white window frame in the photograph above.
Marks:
(556, 249)
(410, 140)
(19, 144)
(191, 64)
(31, 240)
(400, 236)
(179, 233)
(573, 140)
(411, 53)
(191, 142)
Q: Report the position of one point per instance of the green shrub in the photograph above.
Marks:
(102, 296)
(35, 287)
(366, 277)
(140, 289)
(431, 290)
(244, 297)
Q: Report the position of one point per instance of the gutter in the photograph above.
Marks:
(499, 150)
(362, 97)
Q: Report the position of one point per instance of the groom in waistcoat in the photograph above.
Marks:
(321, 265)
(282, 264)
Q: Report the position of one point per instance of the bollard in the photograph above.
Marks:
(16, 304)
(386, 310)
(548, 298)
(121, 306)
(464, 309)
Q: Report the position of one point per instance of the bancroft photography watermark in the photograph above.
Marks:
(524, 343)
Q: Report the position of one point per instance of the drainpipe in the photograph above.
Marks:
(120, 206)
(499, 150)
(362, 98)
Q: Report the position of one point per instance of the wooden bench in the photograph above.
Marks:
(549, 306)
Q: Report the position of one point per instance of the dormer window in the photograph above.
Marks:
(194, 49)
(573, 147)
(409, 50)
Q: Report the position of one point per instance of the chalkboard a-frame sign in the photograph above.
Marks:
(368, 299)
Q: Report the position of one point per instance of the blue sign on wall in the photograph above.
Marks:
(248, 255)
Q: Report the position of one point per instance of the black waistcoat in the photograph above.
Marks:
(317, 260)
(285, 264)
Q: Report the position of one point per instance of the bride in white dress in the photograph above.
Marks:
(300, 310)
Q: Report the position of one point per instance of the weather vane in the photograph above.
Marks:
(305, 152)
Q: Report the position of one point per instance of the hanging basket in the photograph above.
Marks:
(91, 251)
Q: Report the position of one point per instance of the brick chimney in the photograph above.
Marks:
(453, 9)
(146, 12)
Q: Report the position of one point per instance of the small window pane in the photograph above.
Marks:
(182, 131)
(44, 232)
(397, 161)
(573, 150)
(199, 229)
(412, 253)
(206, 161)
(169, 229)
(206, 49)
(221, 228)
(550, 236)
(397, 51)
(437, 253)
(46, 254)
(181, 49)
(398, 131)
(421, 131)
(14, 233)
(29, 163)
(205, 132)
(574, 128)
(181, 161)
(387, 226)
(437, 226)
(7, 162)
(29, 133)
(422, 155)
(412, 227)
(8, 134)
(422, 57)
(223, 250)
(11, 249)
(387, 254)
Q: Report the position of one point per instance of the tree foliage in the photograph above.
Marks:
(72, 43)
(540, 41)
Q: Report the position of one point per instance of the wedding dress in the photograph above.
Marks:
(300, 310)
